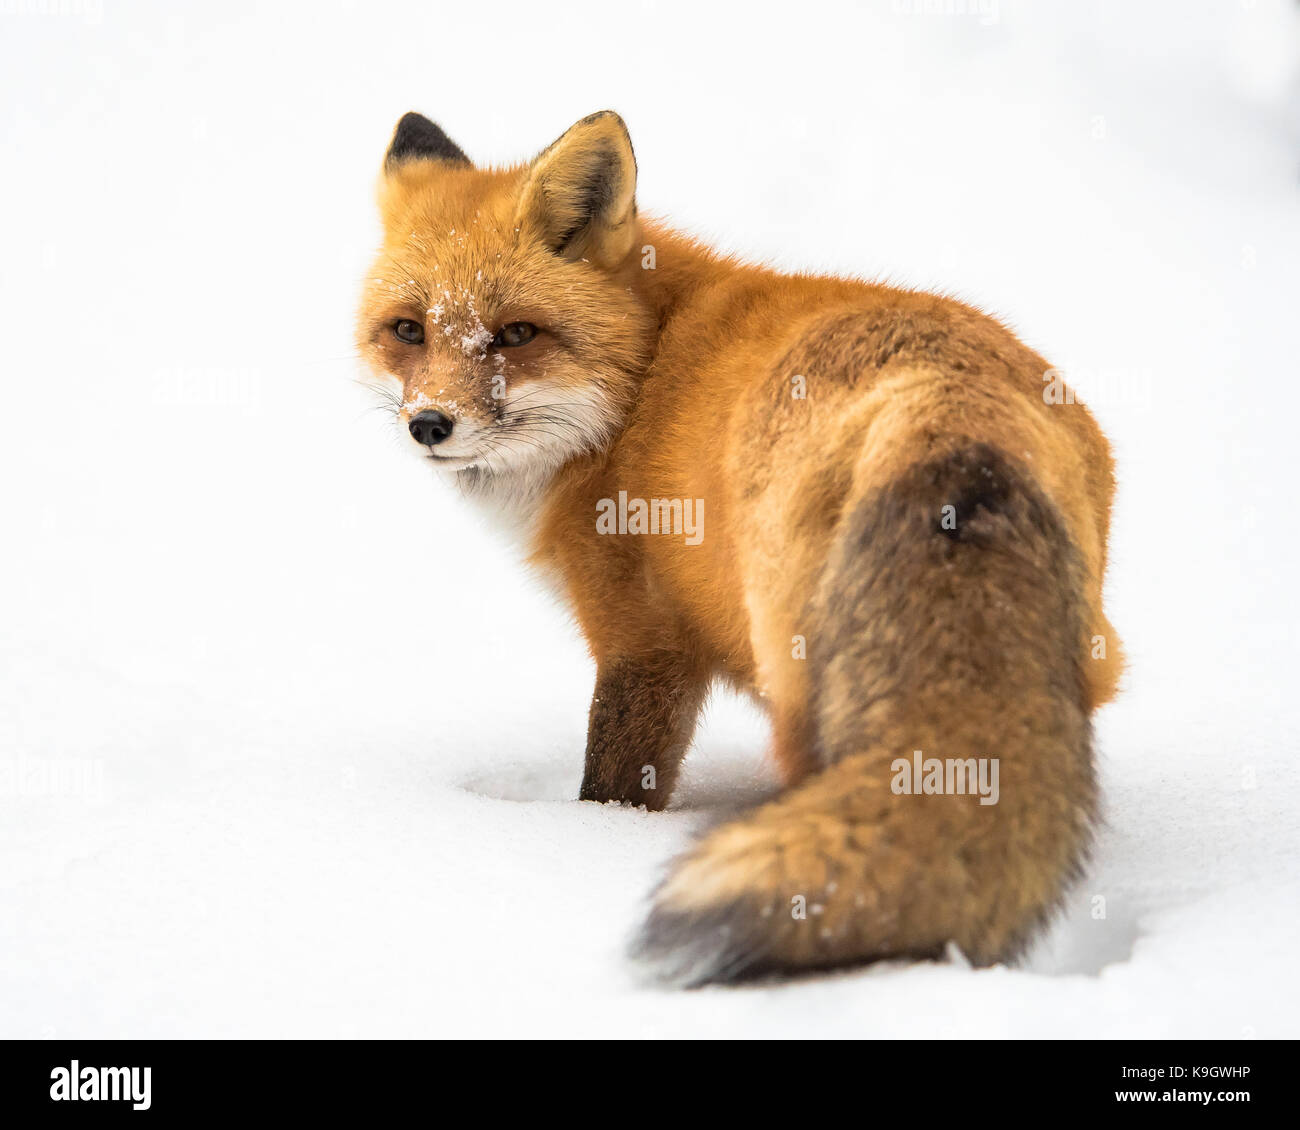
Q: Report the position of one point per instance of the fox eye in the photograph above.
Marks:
(515, 333)
(408, 331)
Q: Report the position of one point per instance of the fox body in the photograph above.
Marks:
(900, 545)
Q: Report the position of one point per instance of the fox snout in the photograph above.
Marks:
(430, 427)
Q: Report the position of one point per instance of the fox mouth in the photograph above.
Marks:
(452, 460)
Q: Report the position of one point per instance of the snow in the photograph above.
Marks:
(289, 746)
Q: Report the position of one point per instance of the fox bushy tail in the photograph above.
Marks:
(949, 621)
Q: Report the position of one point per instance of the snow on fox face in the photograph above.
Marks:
(499, 314)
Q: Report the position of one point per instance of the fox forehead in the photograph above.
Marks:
(446, 228)
(427, 194)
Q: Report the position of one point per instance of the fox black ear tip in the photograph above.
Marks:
(418, 136)
(413, 119)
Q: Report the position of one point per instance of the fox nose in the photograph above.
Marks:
(429, 428)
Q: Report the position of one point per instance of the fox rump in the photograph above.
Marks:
(904, 550)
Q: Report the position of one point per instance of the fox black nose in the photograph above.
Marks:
(429, 428)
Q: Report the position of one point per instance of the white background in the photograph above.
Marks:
(288, 744)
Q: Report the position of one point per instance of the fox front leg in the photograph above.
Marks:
(642, 716)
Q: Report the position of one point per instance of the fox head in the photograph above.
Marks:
(501, 313)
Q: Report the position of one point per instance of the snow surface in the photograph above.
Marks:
(288, 746)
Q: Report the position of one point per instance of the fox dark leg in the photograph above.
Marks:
(642, 717)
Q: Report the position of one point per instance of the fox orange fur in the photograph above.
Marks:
(902, 549)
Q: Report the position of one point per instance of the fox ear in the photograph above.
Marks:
(579, 198)
(417, 137)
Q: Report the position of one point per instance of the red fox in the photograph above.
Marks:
(850, 501)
